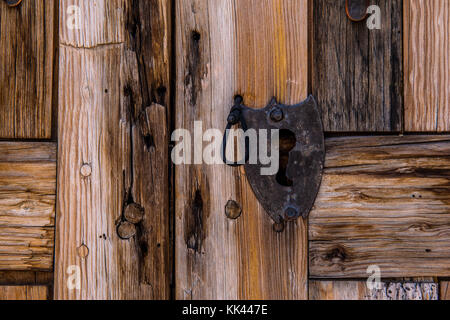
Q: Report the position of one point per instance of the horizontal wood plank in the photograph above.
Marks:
(427, 65)
(27, 205)
(10, 278)
(384, 201)
(36, 293)
(358, 290)
(27, 59)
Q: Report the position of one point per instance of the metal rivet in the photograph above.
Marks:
(126, 230)
(276, 115)
(233, 210)
(278, 227)
(134, 213)
(86, 170)
(83, 251)
(291, 213)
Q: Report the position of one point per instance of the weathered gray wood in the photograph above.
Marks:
(358, 290)
(357, 72)
(384, 201)
(27, 60)
(113, 151)
(27, 205)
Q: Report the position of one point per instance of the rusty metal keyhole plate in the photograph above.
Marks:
(306, 156)
(13, 3)
(357, 9)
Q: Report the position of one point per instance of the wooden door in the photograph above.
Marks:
(92, 207)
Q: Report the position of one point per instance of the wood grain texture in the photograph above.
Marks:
(356, 72)
(27, 205)
(27, 57)
(113, 151)
(11, 278)
(427, 65)
(358, 290)
(29, 293)
(384, 201)
(257, 49)
(445, 290)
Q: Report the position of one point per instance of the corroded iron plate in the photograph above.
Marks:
(305, 163)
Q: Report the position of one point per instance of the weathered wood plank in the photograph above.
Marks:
(24, 248)
(357, 72)
(27, 184)
(427, 65)
(100, 22)
(11, 278)
(384, 201)
(27, 205)
(445, 290)
(358, 290)
(113, 219)
(36, 293)
(27, 57)
(257, 49)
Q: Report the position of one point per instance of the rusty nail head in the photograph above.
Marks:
(278, 227)
(126, 230)
(134, 213)
(233, 210)
(291, 213)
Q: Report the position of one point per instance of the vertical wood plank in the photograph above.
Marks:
(27, 56)
(445, 290)
(257, 49)
(113, 219)
(427, 65)
(357, 72)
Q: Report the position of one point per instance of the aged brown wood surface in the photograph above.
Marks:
(384, 201)
(427, 65)
(445, 290)
(257, 49)
(356, 72)
(113, 151)
(358, 290)
(27, 59)
(24, 293)
(27, 205)
(10, 278)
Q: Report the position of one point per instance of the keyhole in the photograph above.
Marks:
(287, 143)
